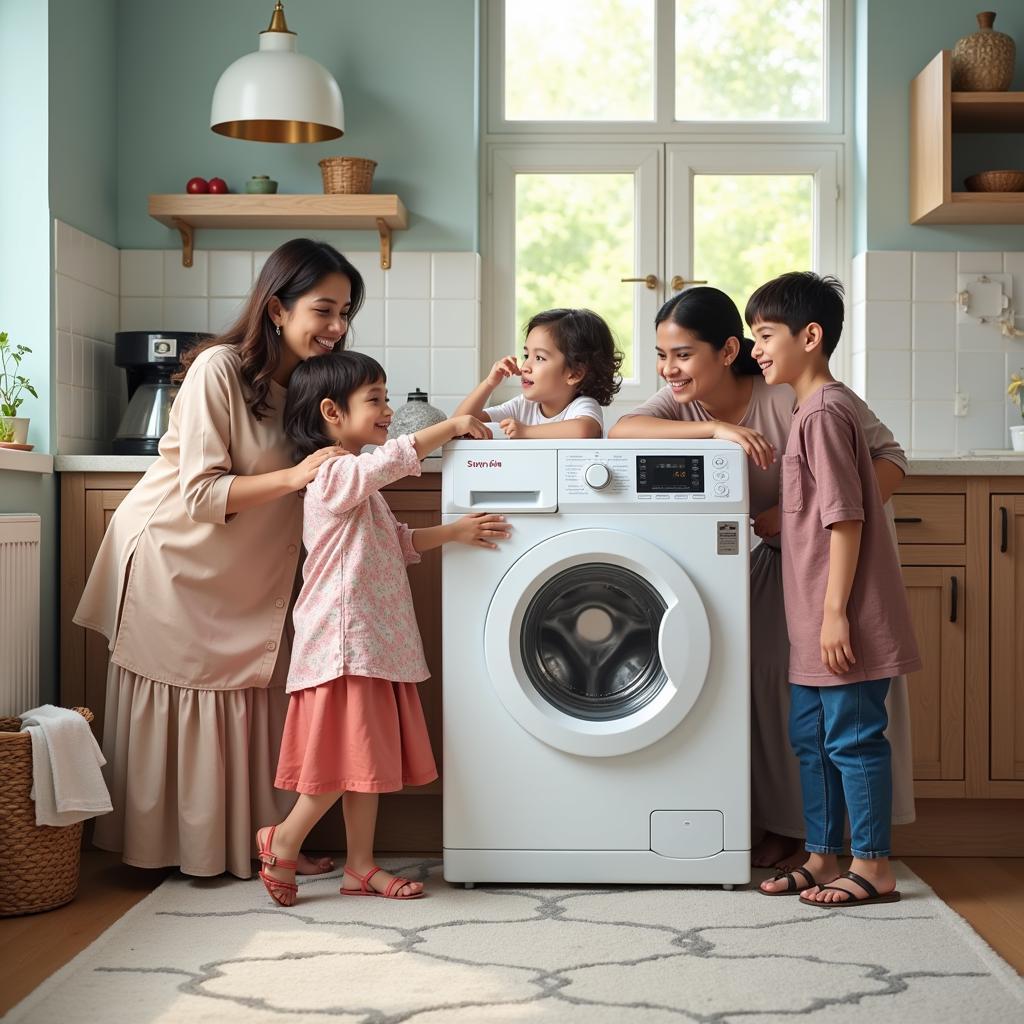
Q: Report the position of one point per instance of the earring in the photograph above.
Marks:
(278, 329)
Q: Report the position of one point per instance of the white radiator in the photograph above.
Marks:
(19, 613)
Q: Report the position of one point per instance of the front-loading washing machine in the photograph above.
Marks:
(596, 666)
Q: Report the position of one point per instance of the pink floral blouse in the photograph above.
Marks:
(355, 615)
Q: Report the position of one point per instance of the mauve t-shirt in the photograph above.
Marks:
(827, 477)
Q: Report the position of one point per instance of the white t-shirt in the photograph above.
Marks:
(528, 413)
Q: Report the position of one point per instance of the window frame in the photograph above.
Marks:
(664, 122)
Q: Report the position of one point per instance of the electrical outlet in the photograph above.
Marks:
(961, 403)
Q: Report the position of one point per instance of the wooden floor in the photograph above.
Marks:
(987, 891)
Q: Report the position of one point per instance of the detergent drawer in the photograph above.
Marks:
(505, 480)
(687, 834)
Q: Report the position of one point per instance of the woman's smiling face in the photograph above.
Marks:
(318, 321)
(692, 368)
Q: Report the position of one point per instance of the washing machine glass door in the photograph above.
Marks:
(597, 642)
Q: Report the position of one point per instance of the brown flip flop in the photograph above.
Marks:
(793, 888)
(873, 895)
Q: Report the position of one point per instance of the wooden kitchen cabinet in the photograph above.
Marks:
(409, 821)
(1007, 679)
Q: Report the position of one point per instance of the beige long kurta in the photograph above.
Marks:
(775, 777)
(199, 644)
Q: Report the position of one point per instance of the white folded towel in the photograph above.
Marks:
(67, 784)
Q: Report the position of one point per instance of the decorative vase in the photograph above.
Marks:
(1017, 438)
(261, 184)
(416, 414)
(983, 61)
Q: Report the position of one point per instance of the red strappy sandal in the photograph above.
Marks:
(282, 893)
(364, 889)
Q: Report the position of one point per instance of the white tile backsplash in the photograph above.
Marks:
(420, 320)
(972, 358)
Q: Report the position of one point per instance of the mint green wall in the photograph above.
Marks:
(407, 71)
(894, 42)
(83, 115)
(26, 493)
(24, 203)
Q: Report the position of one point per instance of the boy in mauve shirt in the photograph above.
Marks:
(846, 611)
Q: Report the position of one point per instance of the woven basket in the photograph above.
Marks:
(38, 863)
(996, 181)
(347, 174)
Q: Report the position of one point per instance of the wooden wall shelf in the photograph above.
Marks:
(936, 112)
(186, 213)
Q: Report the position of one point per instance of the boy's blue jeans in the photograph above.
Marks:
(838, 736)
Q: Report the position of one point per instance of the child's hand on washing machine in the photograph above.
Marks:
(480, 529)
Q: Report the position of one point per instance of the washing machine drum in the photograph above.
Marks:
(597, 642)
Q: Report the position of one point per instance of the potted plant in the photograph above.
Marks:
(1016, 393)
(13, 428)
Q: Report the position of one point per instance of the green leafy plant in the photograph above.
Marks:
(13, 384)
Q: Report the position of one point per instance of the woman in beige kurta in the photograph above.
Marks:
(720, 393)
(194, 580)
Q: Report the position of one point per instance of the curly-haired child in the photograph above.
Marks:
(570, 370)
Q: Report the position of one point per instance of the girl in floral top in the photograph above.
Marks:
(355, 725)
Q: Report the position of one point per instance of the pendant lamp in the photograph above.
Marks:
(276, 94)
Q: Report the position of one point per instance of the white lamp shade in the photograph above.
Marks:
(277, 95)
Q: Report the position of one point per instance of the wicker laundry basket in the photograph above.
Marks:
(347, 174)
(38, 863)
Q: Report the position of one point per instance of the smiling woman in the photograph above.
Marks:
(192, 584)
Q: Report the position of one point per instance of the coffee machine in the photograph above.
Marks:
(150, 359)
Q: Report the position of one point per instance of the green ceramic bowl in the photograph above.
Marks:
(260, 184)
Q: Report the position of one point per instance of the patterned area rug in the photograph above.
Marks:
(216, 950)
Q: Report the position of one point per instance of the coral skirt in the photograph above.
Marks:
(355, 734)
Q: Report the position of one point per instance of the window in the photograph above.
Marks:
(632, 147)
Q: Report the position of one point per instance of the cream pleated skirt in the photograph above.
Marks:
(776, 804)
(191, 772)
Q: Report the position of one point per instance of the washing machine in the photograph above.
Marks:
(596, 665)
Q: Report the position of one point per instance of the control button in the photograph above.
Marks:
(720, 474)
(718, 461)
(721, 489)
(597, 475)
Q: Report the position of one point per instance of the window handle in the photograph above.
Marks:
(954, 586)
(678, 283)
(650, 281)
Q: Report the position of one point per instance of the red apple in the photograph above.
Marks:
(218, 186)
(197, 186)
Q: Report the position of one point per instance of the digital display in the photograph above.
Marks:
(670, 474)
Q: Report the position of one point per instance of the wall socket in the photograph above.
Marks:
(961, 403)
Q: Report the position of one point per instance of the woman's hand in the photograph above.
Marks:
(305, 472)
(756, 445)
(470, 426)
(503, 369)
(836, 652)
(768, 523)
(480, 529)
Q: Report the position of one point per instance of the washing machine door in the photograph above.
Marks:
(597, 642)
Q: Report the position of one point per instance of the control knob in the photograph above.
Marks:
(597, 476)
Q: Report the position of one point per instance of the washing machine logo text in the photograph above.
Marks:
(483, 464)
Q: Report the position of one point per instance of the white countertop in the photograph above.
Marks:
(140, 463)
(1008, 464)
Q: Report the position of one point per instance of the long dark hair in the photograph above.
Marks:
(334, 376)
(586, 341)
(291, 270)
(713, 318)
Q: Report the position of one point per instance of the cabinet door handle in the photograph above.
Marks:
(1004, 528)
(909, 519)
(954, 586)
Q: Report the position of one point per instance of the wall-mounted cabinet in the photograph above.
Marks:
(936, 114)
(370, 212)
